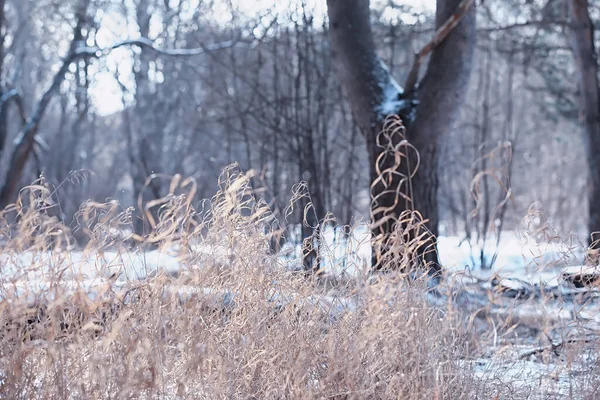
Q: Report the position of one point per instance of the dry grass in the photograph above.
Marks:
(234, 321)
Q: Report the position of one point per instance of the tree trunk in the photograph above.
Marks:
(426, 113)
(4, 104)
(144, 136)
(26, 138)
(582, 43)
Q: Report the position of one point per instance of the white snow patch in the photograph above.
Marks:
(391, 98)
(392, 102)
(515, 257)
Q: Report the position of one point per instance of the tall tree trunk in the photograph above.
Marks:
(4, 104)
(582, 43)
(26, 138)
(145, 137)
(426, 112)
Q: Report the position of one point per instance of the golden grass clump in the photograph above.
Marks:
(200, 307)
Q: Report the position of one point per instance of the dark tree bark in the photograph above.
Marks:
(26, 138)
(3, 104)
(426, 110)
(584, 52)
(145, 138)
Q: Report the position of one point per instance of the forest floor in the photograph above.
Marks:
(533, 323)
(538, 341)
(536, 313)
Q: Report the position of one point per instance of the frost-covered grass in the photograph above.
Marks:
(203, 308)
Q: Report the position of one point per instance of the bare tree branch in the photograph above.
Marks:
(14, 95)
(8, 96)
(441, 33)
(538, 23)
(147, 43)
(27, 137)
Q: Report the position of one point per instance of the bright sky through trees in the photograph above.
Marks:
(114, 27)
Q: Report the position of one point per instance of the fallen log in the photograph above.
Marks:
(581, 276)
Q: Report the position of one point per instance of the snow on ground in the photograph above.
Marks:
(30, 274)
(52, 273)
(518, 262)
(528, 379)
(515, 258)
